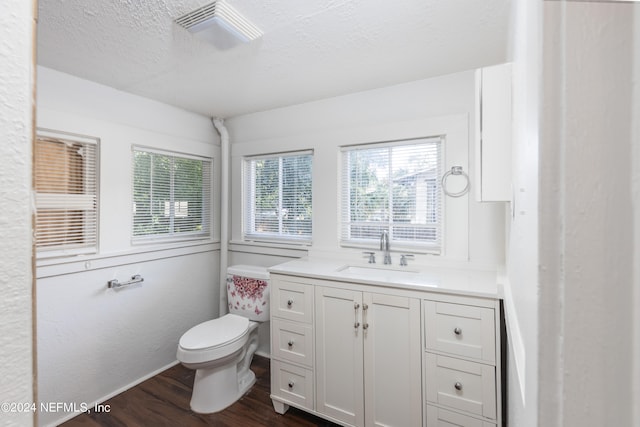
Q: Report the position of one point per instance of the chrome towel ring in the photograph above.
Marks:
(455, 170)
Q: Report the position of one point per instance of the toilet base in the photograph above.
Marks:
(215, 389)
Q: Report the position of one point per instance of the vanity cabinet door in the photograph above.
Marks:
(392, 360)
(339, 370)
(368, 358)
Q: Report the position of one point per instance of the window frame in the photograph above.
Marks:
(207, 200)
(345, 202)
(248, 201)
(90, 183)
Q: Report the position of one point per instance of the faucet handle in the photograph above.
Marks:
(403, 259)
(372, 257)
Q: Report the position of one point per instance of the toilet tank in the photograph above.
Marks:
(248, 291)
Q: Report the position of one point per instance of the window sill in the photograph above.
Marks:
(269, 248)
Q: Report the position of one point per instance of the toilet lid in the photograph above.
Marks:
(214, 332)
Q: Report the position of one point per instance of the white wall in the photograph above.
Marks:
(16, 104)
(443, 105)
(588, 261)
(475, 233)
(521, 287)
(635, 194)
(94, 342)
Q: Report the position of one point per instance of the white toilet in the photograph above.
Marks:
(221, 350)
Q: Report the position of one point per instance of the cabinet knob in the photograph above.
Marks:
(457, 331)
(290, 343)
(458, 386)
(290, 302)
(291, 384)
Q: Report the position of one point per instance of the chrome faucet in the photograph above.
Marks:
(384, 246)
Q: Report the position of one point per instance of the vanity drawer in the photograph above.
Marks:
(461, 330)
(292, 383)
(292, 342)
(460, 384)
(438, 417)
(292, 301)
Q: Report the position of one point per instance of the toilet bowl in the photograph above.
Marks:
(221, 350)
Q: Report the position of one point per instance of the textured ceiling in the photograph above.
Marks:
(311, 49)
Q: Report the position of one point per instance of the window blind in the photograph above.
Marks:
(171, 195)
(65, 182)
(394, 187)
(278, 199)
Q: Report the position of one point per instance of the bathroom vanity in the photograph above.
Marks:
(360, 345)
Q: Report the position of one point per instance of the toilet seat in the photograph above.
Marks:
(213, 339)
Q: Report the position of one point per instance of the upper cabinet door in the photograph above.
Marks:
(493, 133)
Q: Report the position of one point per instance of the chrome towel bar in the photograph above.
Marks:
(114, 284)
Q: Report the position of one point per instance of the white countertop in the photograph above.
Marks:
(458, 281)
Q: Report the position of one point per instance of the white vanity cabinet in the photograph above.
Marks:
(292, 344)
(461, 364)
(367, 357)
(367, 354)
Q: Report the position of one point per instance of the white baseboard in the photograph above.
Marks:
(115, 393)
(263, 354)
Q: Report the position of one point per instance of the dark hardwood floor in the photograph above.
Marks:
(164, 401)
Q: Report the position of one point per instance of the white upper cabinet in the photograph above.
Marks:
(493, 130)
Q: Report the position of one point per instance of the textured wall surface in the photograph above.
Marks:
(521, 290)
(587, 253)
(16, 23)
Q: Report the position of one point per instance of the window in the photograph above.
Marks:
(65, 182)
(278, 197)
(394, 187)
(171, 195)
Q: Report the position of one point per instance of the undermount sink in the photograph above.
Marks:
(359, 270)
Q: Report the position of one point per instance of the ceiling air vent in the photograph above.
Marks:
(219, 24)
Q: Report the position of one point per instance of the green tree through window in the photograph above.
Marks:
(393, 187)
(278, 197)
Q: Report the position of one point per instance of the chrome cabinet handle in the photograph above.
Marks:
(457, 331)
(458, 386)
(365, 324)
(114, 284)
(291, 384)
(356, 306)
(290, 303)
(290, 343)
